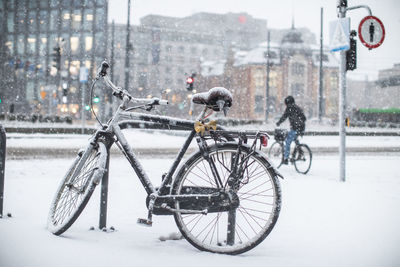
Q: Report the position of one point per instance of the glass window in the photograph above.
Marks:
(77, 3)
(88, 43)
(44, 3)
(101, 2)
(10, 44)
(20, 21)
(74, 44)
(30, 85)
(76, 19)
(88, 3)
(10, 4)
(10, 21)
(53, 20)
(43, 20)
(31, 45)
(100, 44)
(66, 18)
(42, 45)
(20, 45)
(32, 4)
(54, 3)
(31, 21)
(100, 18)
(74, 68)
(87, 20)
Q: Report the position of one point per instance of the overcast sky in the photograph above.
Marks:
(279, 14)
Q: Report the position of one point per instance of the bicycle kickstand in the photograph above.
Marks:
(148, 222)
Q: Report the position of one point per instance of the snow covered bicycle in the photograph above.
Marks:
(301, 155)
(225, 197)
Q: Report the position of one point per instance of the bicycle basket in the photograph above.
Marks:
(280, 135)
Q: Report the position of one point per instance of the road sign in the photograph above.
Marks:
(83, 74)
(339, 32)
(371, 32)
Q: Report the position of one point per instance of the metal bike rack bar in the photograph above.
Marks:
(104, 196)
(2, 166)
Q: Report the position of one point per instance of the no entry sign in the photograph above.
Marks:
(371, 32)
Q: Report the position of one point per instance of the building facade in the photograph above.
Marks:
(294, 70)
(166, 50)
(39, 80)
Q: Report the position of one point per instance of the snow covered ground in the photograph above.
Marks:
(323, 222)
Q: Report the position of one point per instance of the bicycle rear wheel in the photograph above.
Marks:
(241, 228)
(275, 154)
(76, 188)
(302, 158)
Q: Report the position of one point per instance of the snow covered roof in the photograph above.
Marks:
(257, 55)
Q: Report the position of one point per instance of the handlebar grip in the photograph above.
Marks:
(104, 67)
(163, 102)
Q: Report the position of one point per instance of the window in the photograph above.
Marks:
(20, 45)
(53, 20)
(66, 18)
(10, 4)
(10, 44)
(87, 20)
(31, 21)
(100, 18)
(88, 43)
(76, 19)
(10, 21)
(181, 49)
(31, 44)
(74, 44)
(297, 69)
(259, 104)
(43, 20)
(20, 21)
(74, 68)
(168, 48)
(43, 3)
(54, 3)
(42, 45)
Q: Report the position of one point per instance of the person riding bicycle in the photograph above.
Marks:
(297, 124)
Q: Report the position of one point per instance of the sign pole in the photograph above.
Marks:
(342, 100)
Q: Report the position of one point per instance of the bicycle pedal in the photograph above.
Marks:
(145, 222)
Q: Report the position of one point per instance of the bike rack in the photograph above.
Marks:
(2, 166)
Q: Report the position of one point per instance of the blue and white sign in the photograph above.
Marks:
(83, 74)
(339, 33)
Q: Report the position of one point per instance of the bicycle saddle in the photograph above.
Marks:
(217, 98)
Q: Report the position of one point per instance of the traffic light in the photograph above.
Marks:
(351, 54)
(57, 57)
(96, 99)
(190, 82)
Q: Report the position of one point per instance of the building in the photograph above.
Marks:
(294, 70)
(45, 46)
(166, 50)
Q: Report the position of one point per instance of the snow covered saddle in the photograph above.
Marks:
(217, 98)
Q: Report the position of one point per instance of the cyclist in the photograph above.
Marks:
(297, 124)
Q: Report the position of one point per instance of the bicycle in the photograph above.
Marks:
(225, 197)
(300, 157)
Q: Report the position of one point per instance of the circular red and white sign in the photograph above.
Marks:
(371, 32)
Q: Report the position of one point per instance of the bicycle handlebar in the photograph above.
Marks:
(119, 92)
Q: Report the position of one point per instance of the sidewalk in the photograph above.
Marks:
(147, 143)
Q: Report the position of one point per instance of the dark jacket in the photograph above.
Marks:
(296, 118)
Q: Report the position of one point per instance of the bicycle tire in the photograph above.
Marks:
(254, 218)
(72, 196)
(275, 154)
(302, 158)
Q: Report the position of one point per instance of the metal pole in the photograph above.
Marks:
(321, 71)
(2, 166)
(83, 108)
(342, 100)
(127, 64)
(104, 196)
(267, 85)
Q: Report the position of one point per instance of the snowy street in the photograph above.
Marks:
(323, 222)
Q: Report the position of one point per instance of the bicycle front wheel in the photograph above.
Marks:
(275, 154)
(76, 188)
(238, 229)
(302, 158)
